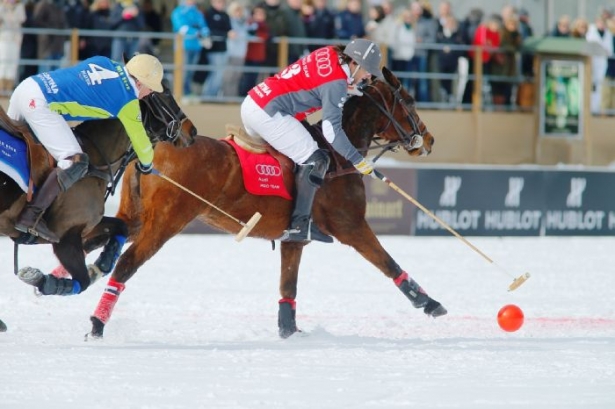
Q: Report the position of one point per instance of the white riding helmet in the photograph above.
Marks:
(365, 53)
(147, 69)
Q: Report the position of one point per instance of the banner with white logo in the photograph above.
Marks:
(579, 203)
(480, 202)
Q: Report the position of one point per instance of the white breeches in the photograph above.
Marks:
(283, 132)
(28, 103)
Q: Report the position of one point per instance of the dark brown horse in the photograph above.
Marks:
(156, 210)
(79, 211)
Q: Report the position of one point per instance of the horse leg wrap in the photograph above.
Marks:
(287, 325)
(48, 284)
(108, 300)
(418, 296)
(412, 290)
(110, 254)
(60, 272)
(59, 286)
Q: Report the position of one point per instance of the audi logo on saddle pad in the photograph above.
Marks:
(268, 170)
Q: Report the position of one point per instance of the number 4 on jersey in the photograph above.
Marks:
(98, 73)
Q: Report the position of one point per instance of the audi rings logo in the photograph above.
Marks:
(323, 63)
(268, 170)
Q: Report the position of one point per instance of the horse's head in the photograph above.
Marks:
(387, 111)
(164, 120)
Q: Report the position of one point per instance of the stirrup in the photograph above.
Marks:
(312, 232)
(46, 234)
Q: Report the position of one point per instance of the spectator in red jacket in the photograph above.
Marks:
(256, 55)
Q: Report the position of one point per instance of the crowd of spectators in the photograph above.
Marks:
(430, 50)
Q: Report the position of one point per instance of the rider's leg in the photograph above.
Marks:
(59, 180)
(287, 135)
(28, 103)
(308, 179)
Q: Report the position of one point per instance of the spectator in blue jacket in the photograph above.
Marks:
(349, 22)
(188, 20)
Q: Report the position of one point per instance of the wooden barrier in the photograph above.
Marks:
(466, 137)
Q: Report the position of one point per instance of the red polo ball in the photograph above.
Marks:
(510, 318)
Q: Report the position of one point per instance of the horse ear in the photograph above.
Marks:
(390, 77)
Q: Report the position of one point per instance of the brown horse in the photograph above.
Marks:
(79, 211)
(156, 210)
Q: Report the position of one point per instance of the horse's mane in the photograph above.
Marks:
(86, 127)
(359, 128)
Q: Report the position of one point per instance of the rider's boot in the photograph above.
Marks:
(31, 218)
(308, 179)
(59, 180)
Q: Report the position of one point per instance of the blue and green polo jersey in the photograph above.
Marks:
(97, 88)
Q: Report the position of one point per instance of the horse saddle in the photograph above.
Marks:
(23, 158)
(257, 145)
(266, 172)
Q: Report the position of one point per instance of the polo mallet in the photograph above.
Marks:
(516, 281)
(247, 227)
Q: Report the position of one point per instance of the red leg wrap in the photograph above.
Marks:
(108, 300)
(60, 272)
(403, 276)
(292, 302)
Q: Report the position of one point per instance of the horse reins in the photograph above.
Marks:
(159, 110)
(409, 141)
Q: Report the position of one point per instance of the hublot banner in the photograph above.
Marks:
(480, 202)
(492, 202)
(489, 201)
(579, 203)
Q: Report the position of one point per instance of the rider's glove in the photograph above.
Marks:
(143, 168)
(366, 167)
(354, 90)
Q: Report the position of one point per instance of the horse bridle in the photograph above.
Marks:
(409, 141)
(160, 111)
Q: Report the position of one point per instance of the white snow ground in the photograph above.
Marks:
(197, 328)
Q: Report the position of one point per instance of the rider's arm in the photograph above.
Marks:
(130, 116)
(332, 105)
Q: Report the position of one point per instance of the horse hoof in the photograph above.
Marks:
(97, 329)
(31, 275)
(287, 332)
(3, 327)
(434, 309)
(92, 337)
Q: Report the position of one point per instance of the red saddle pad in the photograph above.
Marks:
(262, 173)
